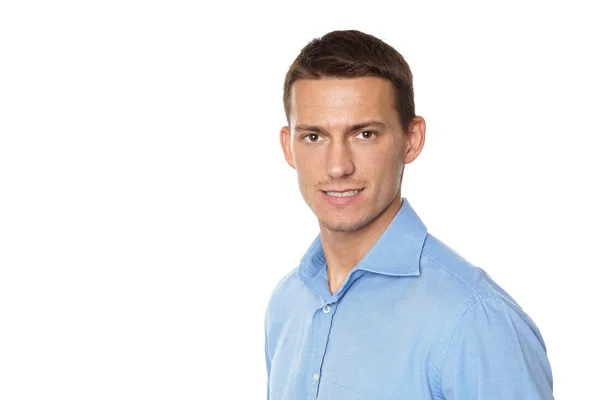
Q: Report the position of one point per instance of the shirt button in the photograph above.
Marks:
(326, 309)
(315, 377)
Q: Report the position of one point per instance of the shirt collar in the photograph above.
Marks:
(397, 252)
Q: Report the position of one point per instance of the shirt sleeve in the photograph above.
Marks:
(496, 352)
(268, 362)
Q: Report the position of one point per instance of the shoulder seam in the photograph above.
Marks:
(471, 289)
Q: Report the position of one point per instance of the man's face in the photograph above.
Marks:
(348, 148)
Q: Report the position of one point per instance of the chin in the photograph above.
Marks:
(344, 225)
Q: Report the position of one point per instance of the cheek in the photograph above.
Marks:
(306, 177)
(308, 167)
(382, 169)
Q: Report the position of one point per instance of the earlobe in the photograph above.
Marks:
(285, 139)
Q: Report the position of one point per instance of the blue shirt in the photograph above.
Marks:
(413, 320)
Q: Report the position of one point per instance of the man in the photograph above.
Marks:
(379, 308)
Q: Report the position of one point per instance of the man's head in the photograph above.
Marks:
(349, 103)
(353, 54)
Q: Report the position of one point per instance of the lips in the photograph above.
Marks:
(342, 198)
(343, 193)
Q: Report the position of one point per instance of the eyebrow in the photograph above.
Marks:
(351, 128)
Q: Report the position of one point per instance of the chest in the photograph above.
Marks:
(376, 345)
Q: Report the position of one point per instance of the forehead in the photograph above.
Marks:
(341, 100)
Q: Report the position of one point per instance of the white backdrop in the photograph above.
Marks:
(146, 210)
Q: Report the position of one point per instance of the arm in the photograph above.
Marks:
(496, 352)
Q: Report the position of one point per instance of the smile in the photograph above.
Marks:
(347, 193)
(343, 197)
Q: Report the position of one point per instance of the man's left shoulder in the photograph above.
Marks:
(456, 276)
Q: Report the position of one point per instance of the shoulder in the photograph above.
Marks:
(485, 331)
(283, 292)
(459, 279)
(467, 289)
(464, 294)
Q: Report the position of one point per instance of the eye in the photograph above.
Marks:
(366, 134)
(311, 137)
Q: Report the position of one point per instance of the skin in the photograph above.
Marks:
(329, 151)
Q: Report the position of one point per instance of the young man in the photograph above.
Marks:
(379, 308)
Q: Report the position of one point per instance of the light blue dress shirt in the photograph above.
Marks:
(413, 320)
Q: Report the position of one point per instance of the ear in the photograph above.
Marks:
(415, 139)
(285, 137)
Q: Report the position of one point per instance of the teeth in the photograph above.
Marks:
(343, 194)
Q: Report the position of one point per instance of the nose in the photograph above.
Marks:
(339, 160)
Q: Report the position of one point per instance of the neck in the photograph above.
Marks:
(343, 250)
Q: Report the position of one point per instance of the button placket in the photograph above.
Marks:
(323, 319)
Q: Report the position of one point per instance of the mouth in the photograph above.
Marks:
(343, 197)
(343, 193)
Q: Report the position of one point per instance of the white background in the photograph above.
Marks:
(146, 210)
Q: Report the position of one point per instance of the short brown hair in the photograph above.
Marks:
(352, 54)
